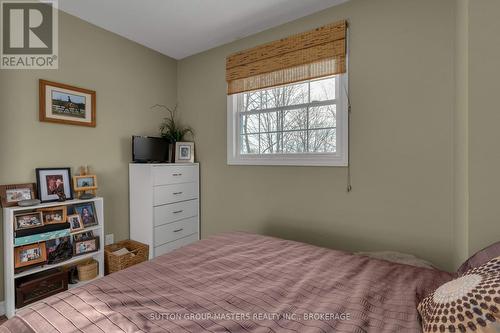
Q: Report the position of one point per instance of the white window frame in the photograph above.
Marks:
(339, 158)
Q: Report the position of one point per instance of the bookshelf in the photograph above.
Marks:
(8, 233)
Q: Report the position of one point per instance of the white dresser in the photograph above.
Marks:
(164, 205)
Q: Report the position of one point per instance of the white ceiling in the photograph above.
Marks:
(180, 28)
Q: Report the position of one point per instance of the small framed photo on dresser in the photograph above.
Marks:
(184, 152)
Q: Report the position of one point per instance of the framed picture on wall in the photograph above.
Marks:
(64, 104)
(54, 184)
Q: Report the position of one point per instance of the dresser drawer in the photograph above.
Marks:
(176, 211)
(165, 248)
(166, 194)
(164, 175)
(172, 231)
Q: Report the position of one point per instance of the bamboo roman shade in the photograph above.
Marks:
(312, 54)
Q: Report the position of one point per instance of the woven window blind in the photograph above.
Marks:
(312, 54)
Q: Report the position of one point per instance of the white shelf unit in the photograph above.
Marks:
(8, 233)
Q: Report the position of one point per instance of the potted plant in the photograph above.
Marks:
(172, 130)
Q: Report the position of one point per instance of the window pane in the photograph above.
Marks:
(323, 90)
(272, 98)
(269, 122)
(296, 94)
(289, 129)
(295, 119)
(249, 123)
(251, 101)
(269, 143)
(322, 116)
(295, 142)
(249, 144)
(322, 141)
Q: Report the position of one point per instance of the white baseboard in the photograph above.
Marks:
(2, 308)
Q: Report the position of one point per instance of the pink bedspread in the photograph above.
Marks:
(241, 282)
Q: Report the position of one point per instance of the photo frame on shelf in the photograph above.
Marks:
(84, 246)
(64, 104)
(28, 221)
(75, 222)
(54, 215)
(10, 195)
(28, 255)
(83, 236)
(54, 184)
(59, 249)
(87, 213)
(83, 184)
(184, 152)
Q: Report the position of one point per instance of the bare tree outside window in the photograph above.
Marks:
(297, 118)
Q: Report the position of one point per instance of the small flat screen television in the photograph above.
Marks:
(147, 149)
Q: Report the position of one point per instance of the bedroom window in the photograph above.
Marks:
(287, 100)
(297, 124)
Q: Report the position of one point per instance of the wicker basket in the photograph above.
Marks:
(113, 263)
(87, 270)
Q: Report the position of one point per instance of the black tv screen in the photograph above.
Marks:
(146, 149)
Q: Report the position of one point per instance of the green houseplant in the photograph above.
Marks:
(171, 129)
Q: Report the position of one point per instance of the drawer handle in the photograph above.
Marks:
(177, 230)
(177, 193)
(177, 174)
(178, 211)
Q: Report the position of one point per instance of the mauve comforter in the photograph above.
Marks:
(241, 282)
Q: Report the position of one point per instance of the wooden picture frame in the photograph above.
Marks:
(10, 195)
(22, 255)
(28, 224)
(51, 181)
(86, 246)
(64, 104)
(87, 213)
(84, 183)
(50, 217)
(75, 222)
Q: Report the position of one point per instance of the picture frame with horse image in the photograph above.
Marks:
(64, 104)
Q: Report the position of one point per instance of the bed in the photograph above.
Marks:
(240, 282)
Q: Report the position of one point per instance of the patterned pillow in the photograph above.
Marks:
(480, 257)
(470, 303)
